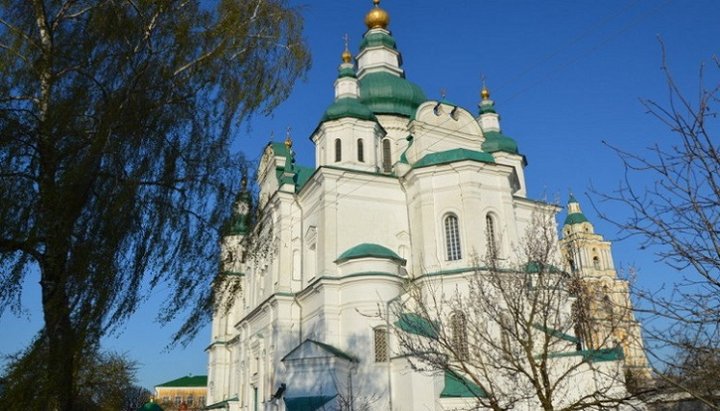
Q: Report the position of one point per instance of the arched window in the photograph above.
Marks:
(360, 151)
(380, 337)
(452, 238)
(386, 160)
(596, 263)
(491, 238)
(338, 150)
(458, 327)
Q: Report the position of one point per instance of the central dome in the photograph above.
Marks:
(386, 93)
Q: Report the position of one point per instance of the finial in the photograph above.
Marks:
(288, 139)
(484, 93)
(377, 18)
(443, 93)
(346, 55)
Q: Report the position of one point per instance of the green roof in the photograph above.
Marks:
(348, 107)
(496, 141)
(601, 355)
(572, 199)
(415, 324)
(534, 267)
(386, 93)
(557, 333)
(458, 387)
(369, 250)
(335, 351)
(221, 405)
(150, 406)
(302, 175)
(310, 403)
(280, 149)
(189, 381)
(327, 347)
(575, 218)
(452, 156)
(376, 40)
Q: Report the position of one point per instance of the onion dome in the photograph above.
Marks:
(496, 141)
(386, 93)
(377, 18)
(348, 107)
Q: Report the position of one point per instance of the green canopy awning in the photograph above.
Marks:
(311, 403)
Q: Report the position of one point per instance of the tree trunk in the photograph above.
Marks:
(61, 340)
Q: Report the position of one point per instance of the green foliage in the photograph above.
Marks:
(116, 120)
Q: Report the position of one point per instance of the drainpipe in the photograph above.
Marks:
(387, 348)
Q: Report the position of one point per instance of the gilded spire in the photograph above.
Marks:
(346, 55)
(486, 105)
(377, 18)
(288, 140)
(484, 93)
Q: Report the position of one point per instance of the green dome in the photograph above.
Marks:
(346, 72)
(369, 250)
(575, 218)
(495, 141)
(348, 107)
(386, 93)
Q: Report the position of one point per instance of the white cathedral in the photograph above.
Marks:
(403, 191)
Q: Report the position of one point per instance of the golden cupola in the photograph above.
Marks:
(377, 18)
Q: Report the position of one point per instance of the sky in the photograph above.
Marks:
(567, 78)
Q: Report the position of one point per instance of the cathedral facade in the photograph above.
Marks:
(404, 190)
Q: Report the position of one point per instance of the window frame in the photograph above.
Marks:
(491, 237)
(338, 150)
(386, 156)
(451, 231)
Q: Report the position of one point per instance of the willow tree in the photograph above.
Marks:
(116, 118)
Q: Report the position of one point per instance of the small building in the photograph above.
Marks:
(182, 394)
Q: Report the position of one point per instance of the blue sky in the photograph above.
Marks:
(565, 76)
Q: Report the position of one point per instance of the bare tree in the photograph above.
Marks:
(506, 332)
(672, 193)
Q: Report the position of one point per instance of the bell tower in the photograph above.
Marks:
(603, 309)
